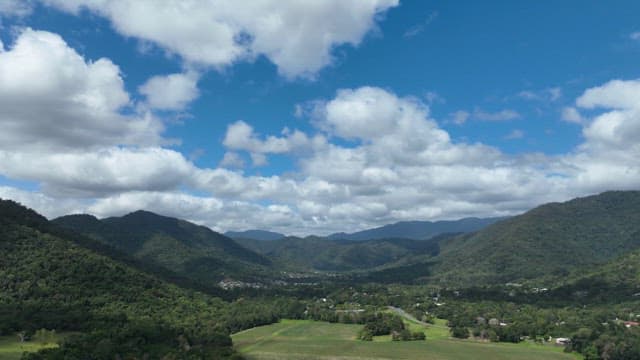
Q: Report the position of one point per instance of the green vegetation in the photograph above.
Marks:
(122, 289)
(187, 249)
(550, 240)
(304, 339)
(314, 253)
(11, 346)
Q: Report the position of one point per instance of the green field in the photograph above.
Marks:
(304, 339)
(11, 348)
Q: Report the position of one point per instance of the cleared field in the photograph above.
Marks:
(11, 348)
(307, 340)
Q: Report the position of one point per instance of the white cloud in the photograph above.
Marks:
(171, 92)
(572, 115)
(52, 98)
(298, 37)
(232, 160)
(15, 7)
(619, 125)
(502, 115)
(240, 136)
(397, 165)
(98, 173)
(460, 117)
(635, 35)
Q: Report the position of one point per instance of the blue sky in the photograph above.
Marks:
(335, 116)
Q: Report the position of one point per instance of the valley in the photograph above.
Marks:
(130, 286)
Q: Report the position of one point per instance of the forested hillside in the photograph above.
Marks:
(53, 283)
(417, 230)
(193, 251)
(550, 240)
(314, 253)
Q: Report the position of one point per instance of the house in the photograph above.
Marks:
(629, 324)
(563, 341)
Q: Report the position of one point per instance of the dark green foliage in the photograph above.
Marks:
(184, 248)
(49, 282)
(460, 332)
(550, 240)
(383, 324)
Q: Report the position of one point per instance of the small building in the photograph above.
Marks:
(629, 324)
(563, 341)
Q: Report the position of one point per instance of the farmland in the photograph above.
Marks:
(302, 339)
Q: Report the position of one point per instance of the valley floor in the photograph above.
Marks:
(304, 339)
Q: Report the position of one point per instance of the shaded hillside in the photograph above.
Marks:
(255, 235)
(180, 246)
(47, 281)
(314, 253)
(552, 239)
(616, 281)
(417, 230)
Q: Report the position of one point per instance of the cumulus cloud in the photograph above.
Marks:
(52, 98)
(373, 158)
(619, 125)
(232, 159)
(98, 173)
(298, 37)
(572, 115)
(240, 136)
(171, 92)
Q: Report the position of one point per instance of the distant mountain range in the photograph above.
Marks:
(418, 230)
(255, 235)
(553, 241)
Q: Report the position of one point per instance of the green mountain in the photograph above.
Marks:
(48, 279)
(315, 253)
(187, 249)
(417, 230)
(255, 235)
(550, 240)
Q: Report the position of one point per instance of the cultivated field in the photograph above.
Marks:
(302, 339)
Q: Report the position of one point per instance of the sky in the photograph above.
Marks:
(313, 117)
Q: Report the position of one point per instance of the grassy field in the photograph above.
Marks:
(11, 348)
(307, 340)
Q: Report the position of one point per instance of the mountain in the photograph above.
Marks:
(255, 235)
(316, 253)
(51, 281)
(187, 249)
(417, 230)
(550, 240)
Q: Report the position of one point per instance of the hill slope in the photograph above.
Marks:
(180, 246)
(47, 281)
(552, 239)
(417, 230)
